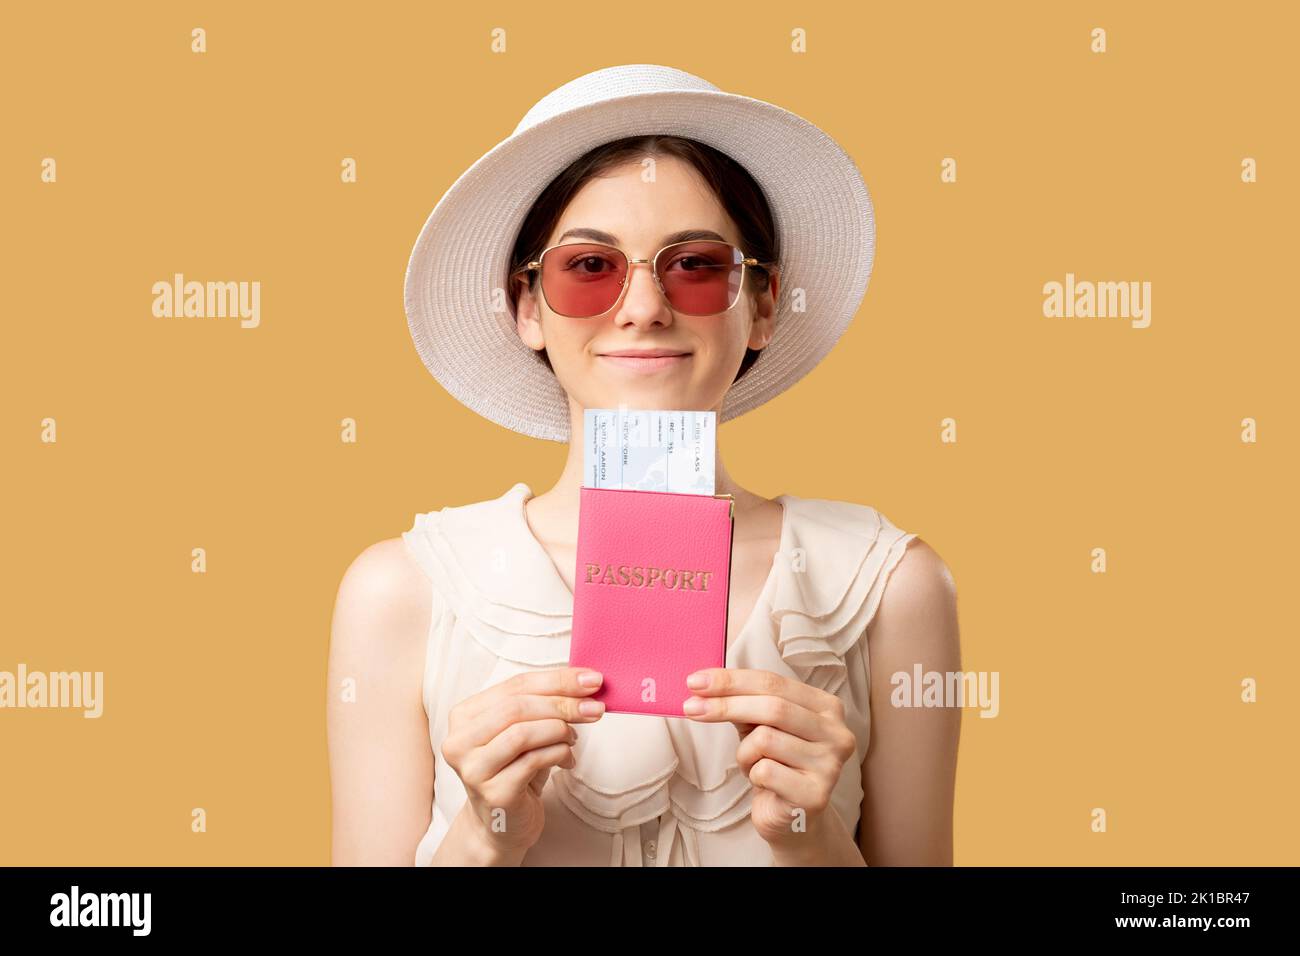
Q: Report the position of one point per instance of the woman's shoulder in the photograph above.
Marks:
(381, 623)
(383, 592)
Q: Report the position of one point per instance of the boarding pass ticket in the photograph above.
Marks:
(650, 450)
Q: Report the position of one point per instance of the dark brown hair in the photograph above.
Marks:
(739, 194)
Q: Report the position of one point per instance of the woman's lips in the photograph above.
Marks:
(643, 363)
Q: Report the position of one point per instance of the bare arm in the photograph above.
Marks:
(909, 774)
(381, 760)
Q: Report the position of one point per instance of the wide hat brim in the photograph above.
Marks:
(462, 323)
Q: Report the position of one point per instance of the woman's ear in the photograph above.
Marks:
(760, 332)
(527, 322)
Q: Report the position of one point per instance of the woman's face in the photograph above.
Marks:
(640, 215)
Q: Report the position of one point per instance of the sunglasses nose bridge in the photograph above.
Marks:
(654, 274)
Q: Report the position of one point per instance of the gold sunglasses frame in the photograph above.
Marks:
(745, 262)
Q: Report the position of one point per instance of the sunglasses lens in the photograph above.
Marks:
(701, 278)
(582, 279)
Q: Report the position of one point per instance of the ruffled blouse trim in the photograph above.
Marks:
(830, 575)
(660, 761)
(497, 578)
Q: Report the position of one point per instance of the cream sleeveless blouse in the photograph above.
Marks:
(645, 790)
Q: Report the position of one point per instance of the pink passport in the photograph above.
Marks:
(650, 594)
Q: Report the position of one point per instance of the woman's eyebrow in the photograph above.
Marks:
(597, 235)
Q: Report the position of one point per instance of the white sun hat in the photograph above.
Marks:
(457, 273)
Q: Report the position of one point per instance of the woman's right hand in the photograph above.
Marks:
(503, 742)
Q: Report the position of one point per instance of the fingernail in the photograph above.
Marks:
(693, 706)
(590, 678)
(591, 708)
(697, 681)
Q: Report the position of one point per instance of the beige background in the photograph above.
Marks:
(1119, 690)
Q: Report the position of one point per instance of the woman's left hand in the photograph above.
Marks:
(794, 743)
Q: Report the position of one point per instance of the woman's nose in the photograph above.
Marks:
(642, 304)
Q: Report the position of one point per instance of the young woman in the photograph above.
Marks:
(642, 240)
